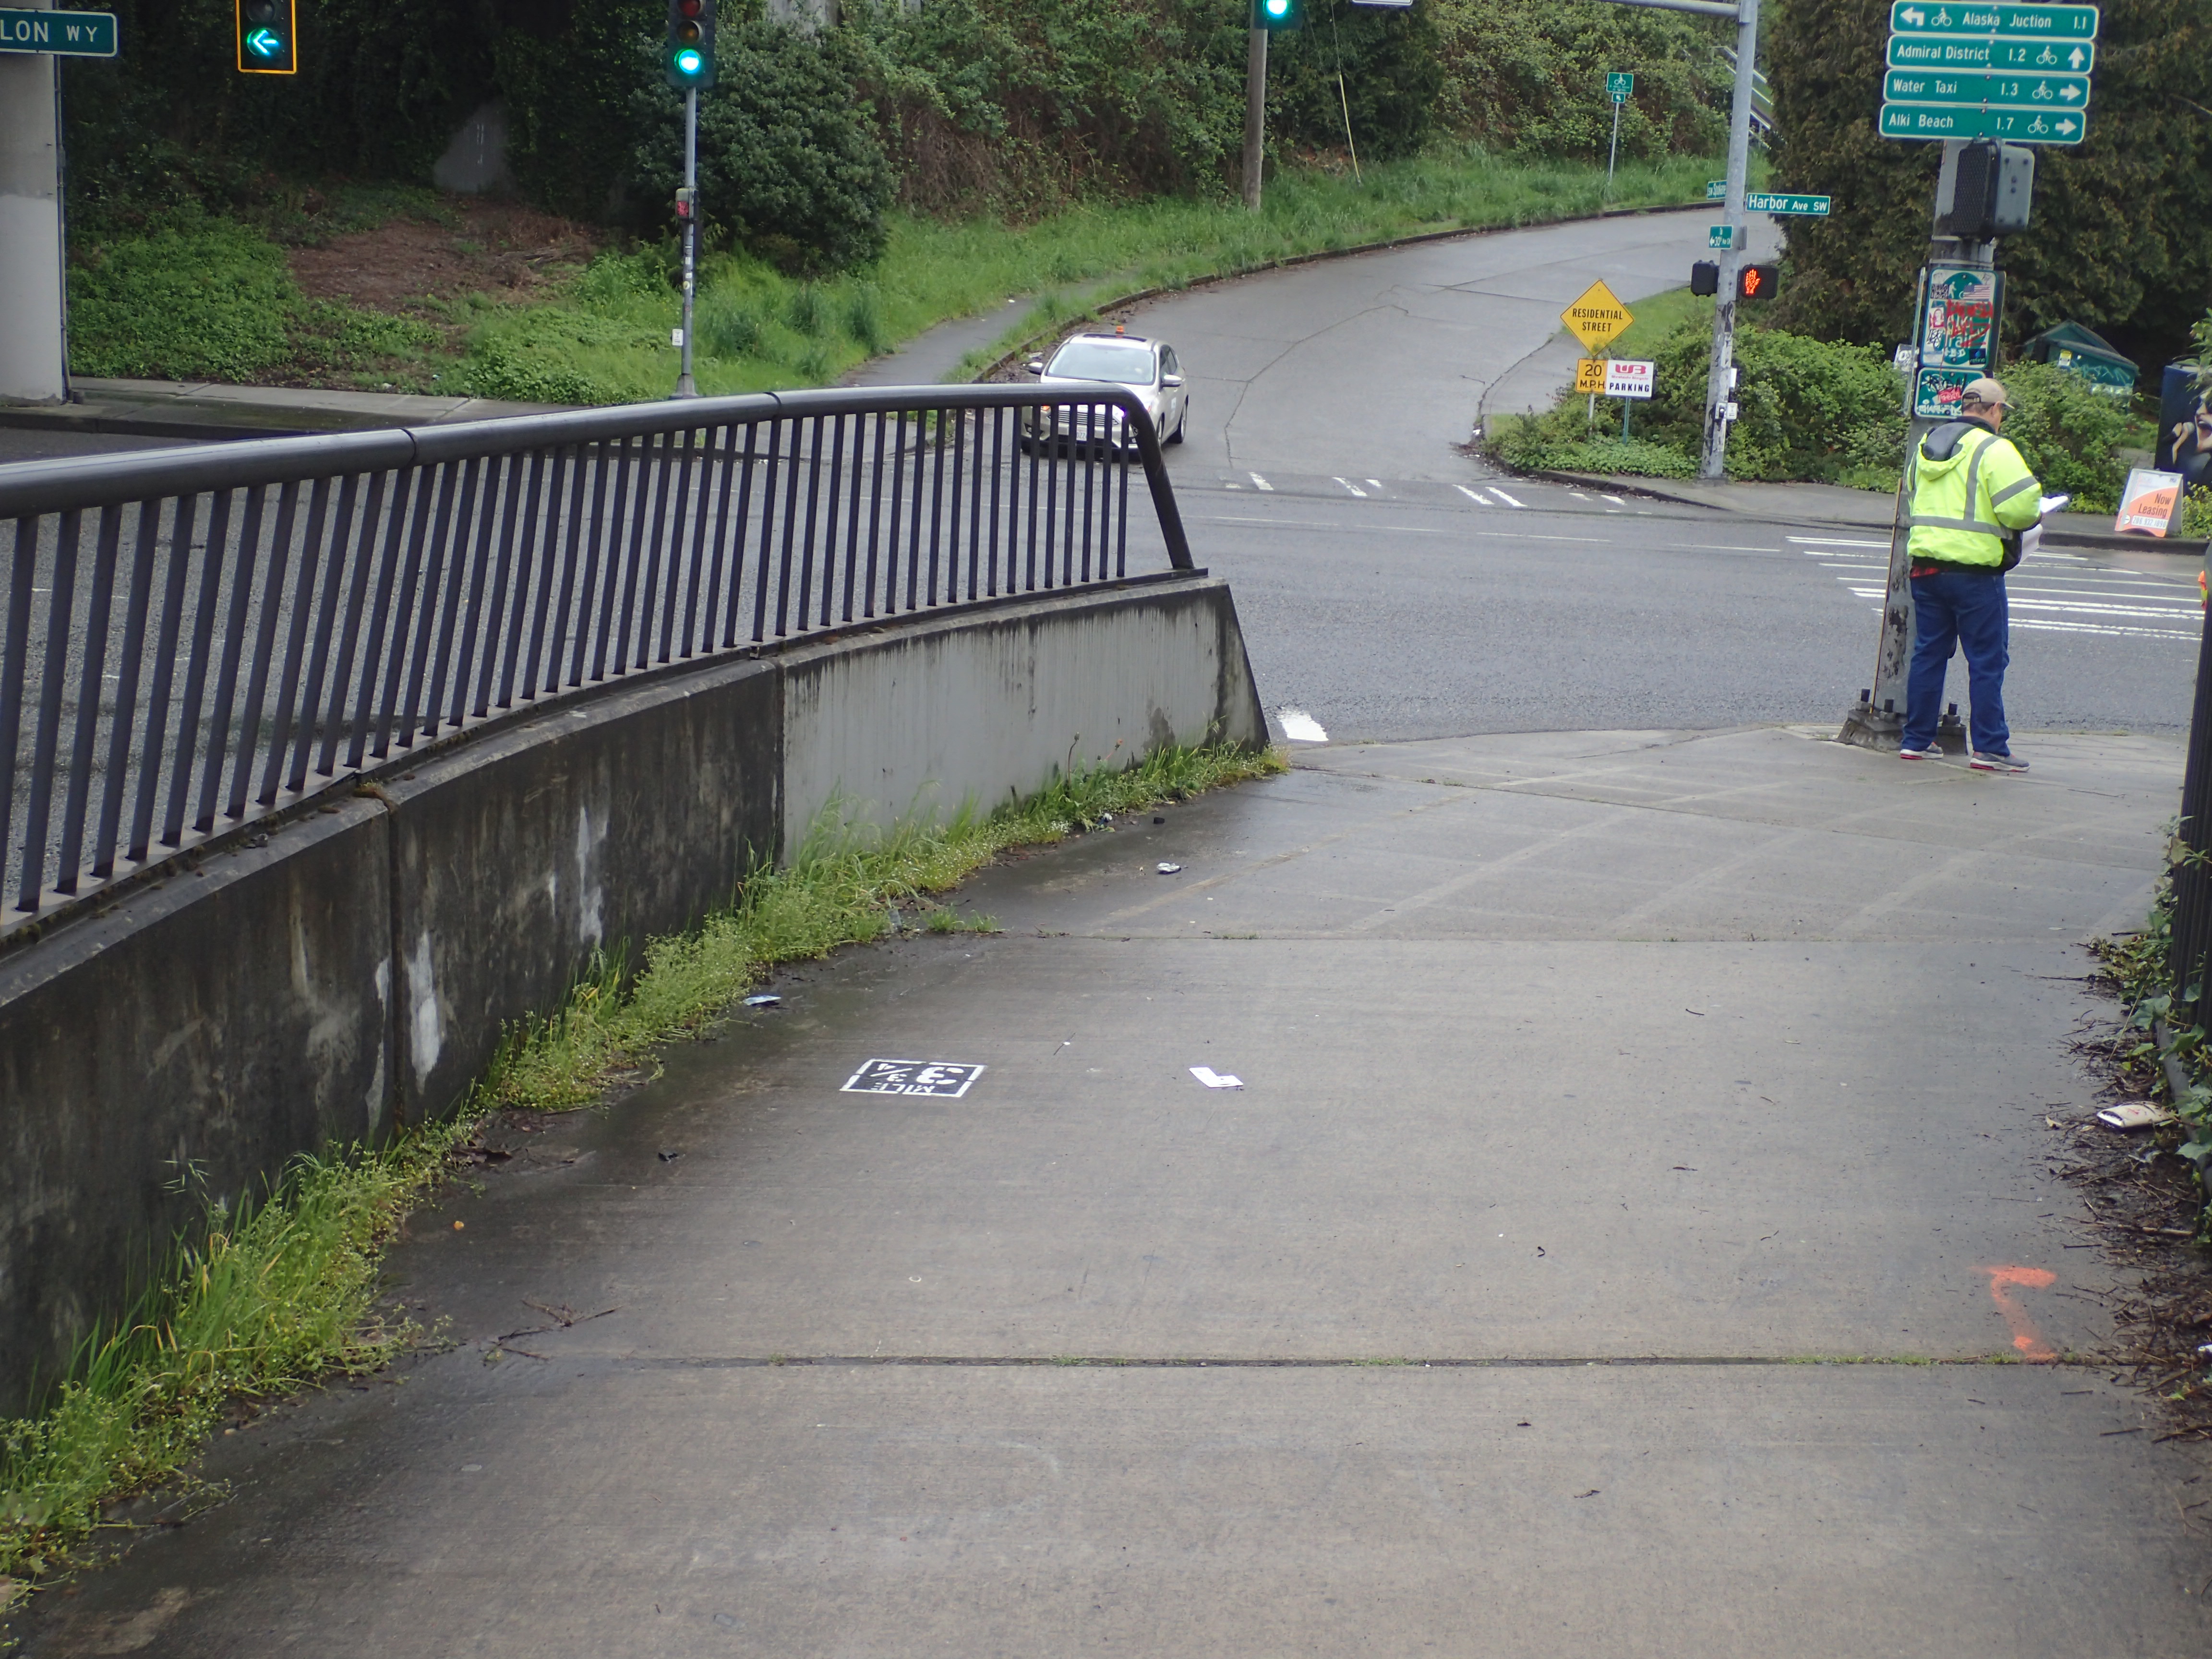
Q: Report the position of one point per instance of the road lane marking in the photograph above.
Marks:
(1259, 483)
(1507, 499)
(1377, 482)
(1301, 728)
(1404, 529)
(1474, 496)
(1353, 488)
(1831, 541)
(1616, 501)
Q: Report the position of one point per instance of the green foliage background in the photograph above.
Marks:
(1015, 107)
(2122, 235)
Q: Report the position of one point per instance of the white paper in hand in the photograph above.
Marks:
(2050, 504)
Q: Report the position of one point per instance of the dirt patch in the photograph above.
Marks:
(410, 266)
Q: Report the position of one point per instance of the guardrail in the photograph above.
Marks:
(196, 638)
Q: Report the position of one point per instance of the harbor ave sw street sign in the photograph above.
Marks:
(60, 33)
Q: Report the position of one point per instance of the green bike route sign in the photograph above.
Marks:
(1953, 51)
(59, 33)
(1997, 91)
(2031, 22)
(2019, 126)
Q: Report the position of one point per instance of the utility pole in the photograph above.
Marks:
(1973, 204)
(1255, 113)
(32, 364)
(1720, 380)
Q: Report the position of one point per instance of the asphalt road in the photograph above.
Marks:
(1392, 586)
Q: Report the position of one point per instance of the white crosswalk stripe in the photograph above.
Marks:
(2113, 603)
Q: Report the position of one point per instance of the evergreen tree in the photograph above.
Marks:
(2122, 234)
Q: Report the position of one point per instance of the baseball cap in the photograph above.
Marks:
(1988, 393)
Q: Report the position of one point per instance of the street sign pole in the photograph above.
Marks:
(1720, 382)
(1617, 86)
(2018, 72)
(34, 361)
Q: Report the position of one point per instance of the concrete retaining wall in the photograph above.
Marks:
(354, 969)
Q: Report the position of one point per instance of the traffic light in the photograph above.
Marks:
(1704, 277)
(689, 60)
(1757, 282)
(267, 37)
(1276, 15)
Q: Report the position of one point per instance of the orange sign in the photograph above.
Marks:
(2149, 503)
(1589, 374)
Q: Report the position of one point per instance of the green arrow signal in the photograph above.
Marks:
(264, 43)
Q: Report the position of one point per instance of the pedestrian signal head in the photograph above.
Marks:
(1704, 277)
(1758, 281)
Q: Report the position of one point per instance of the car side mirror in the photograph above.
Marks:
(1036, 365)
(1171, 380)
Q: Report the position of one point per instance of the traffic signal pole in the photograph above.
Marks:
(1720, 380)
(689, 205)
(1255, 114)
(32, 366)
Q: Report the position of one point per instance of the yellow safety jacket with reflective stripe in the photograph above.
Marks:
(1965, 489)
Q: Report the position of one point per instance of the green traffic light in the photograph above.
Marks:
(263, 43)
(1278, 7)
(688, 62)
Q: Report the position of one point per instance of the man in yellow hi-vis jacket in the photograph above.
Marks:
(1969, 495)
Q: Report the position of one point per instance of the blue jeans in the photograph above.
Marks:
(1953, 608)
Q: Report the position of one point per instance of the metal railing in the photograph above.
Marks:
(196, 638)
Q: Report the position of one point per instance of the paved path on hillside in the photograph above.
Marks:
(1598, 1090)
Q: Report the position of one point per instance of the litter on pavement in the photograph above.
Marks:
(1170, 869)
(2134, 1115)
(1214, 1079)
(762, 1001)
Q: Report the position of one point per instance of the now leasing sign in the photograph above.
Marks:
(59, 33)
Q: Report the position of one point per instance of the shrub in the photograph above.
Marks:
(1809, 409)
(727, 327)
(792, 166)
(2068, 434)
(1392, 74)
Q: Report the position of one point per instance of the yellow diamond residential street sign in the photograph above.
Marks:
(1596, 317)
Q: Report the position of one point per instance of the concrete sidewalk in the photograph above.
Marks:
(1598, 1090)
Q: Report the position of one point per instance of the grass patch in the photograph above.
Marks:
(203, 299)
(281, 1292)
(608, 339)
(845, 888)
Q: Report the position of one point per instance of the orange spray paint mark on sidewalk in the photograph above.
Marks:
(2024, 1336)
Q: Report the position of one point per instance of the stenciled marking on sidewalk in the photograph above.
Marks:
(942, 1079)
(2024, 1336)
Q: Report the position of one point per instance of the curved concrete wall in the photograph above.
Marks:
(355, 968)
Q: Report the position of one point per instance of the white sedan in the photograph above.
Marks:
(1147, 368)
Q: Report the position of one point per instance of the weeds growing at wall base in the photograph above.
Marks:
(283, 1291)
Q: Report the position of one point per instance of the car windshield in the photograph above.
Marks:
(1119, 360)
